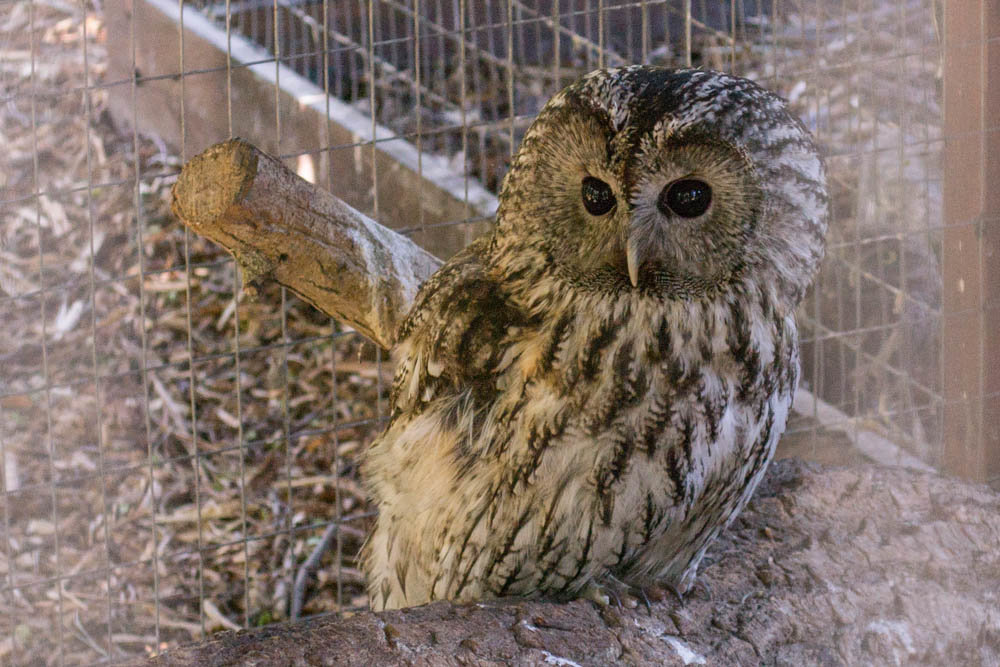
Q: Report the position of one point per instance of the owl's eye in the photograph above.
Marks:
(687, 198)
(598, 198)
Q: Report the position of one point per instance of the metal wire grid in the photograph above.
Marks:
(873, 103)
(513, 55)
(56, 394)
(469, 94)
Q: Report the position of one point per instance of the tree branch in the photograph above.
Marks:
(277, 225)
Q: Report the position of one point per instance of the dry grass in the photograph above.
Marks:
(127, 497)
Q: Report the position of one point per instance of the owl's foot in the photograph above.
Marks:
(659, 591)
(610, 589)
(596, 594)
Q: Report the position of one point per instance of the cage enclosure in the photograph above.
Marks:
(172, 453)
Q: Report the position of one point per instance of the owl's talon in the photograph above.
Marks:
(610, 589)
(645, 601)
(596, 594)
(675, 592)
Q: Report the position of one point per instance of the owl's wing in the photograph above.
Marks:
(454, 337)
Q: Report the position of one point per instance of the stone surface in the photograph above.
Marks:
(827, 566)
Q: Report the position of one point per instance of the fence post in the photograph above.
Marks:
(971, 239)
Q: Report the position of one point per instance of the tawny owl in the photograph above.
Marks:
(591, 393)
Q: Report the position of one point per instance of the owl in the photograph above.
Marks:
(588, 395)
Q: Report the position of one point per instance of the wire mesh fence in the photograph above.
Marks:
(172, 454)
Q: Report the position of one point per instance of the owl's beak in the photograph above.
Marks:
(634, 259)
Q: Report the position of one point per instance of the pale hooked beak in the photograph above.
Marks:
(634, 258)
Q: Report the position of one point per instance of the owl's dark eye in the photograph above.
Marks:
(687, 198)
(598, 198)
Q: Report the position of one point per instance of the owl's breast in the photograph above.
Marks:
(654, 425)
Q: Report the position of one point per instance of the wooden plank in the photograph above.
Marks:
(407, 196)
(991, 245)
(971, 239)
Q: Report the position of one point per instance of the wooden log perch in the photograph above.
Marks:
(862, 565)
(278, 225)
(826, 566)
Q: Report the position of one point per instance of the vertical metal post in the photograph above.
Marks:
(971, 239)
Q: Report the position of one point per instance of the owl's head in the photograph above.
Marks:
(675, 183)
